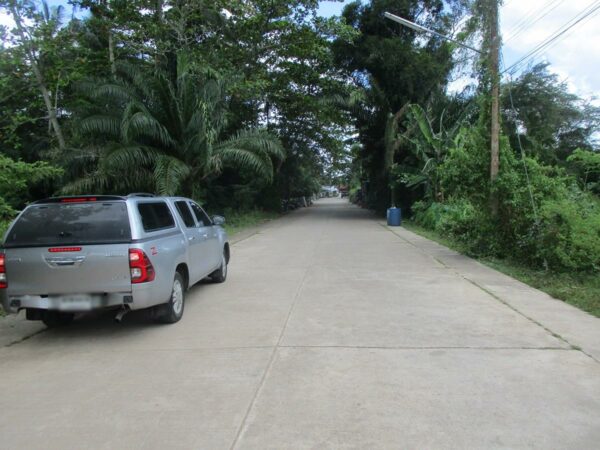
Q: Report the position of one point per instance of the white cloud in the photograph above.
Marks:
(575, 56)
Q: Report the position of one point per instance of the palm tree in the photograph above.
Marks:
(149, 131)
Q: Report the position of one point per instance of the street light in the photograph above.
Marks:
(414, 26)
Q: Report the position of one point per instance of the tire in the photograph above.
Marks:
(220, 275)
(172, 311)
(54, 319)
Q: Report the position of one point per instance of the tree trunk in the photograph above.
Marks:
(53, 120)
(111, 54)
(158, 18)
(388, 159)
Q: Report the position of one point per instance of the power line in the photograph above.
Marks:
(594, 7)
(538, 57)
(543, 13)
(560, 32)
(530, 13)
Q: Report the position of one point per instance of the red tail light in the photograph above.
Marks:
(140, 266)
(3, 282)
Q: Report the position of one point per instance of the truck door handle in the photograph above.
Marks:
(191, 238)
(64, 263)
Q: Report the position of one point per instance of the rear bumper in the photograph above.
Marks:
(141, 297)
(12, 304)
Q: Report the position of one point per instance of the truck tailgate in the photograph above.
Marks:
(93, 269)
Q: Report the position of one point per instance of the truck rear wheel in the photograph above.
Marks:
(220, 275)
(53, 319)
(172, 311)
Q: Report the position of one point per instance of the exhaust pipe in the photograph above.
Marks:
(121, 314)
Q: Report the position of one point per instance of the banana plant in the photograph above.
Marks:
(430, 149)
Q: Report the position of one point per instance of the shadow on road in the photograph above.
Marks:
(98, 323)
(335, 208)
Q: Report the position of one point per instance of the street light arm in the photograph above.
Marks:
(417, 27)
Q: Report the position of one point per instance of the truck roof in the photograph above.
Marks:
(90, 198)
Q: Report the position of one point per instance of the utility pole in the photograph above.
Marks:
(495, 79)
(494, 72)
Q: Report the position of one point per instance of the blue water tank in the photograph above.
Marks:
(394, 217)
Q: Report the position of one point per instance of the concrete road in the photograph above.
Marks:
(332, 332)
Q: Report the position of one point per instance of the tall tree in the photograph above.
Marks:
(33, 29)
(551, 121)
(395, 66)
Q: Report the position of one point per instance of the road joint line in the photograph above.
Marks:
(271, 361)
(369, 347)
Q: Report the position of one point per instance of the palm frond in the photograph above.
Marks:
(169, 173)
(138, 123)
(111, 90)
(248, 159)
(92, 182)
(131, 156)
(102, 125)
(256, 141)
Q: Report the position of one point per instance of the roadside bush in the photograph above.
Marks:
(544, 219)
(570, 234)
(460, 220)
(17, 181)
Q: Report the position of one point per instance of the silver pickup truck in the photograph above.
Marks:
(67, 255)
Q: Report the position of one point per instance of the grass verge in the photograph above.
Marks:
(239, 221)
(578, 289)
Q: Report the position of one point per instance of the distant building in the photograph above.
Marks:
(329, 191)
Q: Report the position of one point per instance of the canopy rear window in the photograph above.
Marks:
(71, 223)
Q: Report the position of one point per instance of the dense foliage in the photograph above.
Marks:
(245, 103)
(219, 100)
(544, 218)
(429, 152)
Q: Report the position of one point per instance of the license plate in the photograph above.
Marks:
(73, 302)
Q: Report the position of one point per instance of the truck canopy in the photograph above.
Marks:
(70, 222)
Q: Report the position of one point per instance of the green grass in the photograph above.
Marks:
(578, 289)
(236, 221)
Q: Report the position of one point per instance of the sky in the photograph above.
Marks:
(575, 57)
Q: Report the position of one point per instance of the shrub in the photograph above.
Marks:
(462, 221)
(544, 219)
(570, 234)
